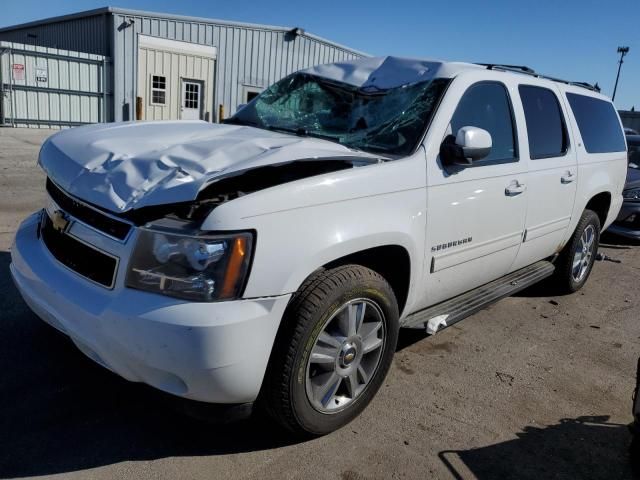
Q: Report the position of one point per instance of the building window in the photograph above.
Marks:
(191, 95)
(158, 90)
(250, 93)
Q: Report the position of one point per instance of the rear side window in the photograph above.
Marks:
(486, 105)
(545, 123)
(598, 123)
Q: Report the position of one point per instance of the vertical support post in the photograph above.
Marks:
(2, 50)
(104, 90)
(11, 92)
(622, 51)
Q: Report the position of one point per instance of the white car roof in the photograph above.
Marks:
(380, 73)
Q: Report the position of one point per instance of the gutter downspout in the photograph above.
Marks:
(11, 93)
(2, 50)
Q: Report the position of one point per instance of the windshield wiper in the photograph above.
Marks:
(237, 121)
(303, 132)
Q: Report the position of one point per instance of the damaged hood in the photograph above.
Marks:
(121, 166)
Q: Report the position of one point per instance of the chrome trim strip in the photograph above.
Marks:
(97, 210)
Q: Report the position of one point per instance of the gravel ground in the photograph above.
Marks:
(534, 387)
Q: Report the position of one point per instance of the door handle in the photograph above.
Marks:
(567, 177)
(514, 188)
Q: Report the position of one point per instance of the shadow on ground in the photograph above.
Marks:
(59, 412)
(583, 447)
(610, 240)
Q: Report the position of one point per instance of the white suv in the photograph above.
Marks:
(272, 260)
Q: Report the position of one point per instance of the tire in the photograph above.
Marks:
(568, 277)
(314, 345)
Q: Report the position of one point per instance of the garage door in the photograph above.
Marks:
(175, 80)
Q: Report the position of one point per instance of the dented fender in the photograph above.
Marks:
(342, 213)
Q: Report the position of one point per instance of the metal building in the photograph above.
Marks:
(147, 66)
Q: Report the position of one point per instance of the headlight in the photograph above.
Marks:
(631, 194)
(199, 267)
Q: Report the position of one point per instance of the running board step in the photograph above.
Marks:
(449, 312)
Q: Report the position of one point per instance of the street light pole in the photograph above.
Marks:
(622, 51)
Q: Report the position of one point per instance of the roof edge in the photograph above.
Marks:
(173, 16)
(60, 18)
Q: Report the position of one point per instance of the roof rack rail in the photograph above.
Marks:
(502, 66)
(530, 71)
(588, 86)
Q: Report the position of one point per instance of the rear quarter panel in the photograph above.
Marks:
(597, 172)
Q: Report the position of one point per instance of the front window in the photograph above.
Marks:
(390, 121)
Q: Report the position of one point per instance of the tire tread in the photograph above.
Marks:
(276, 396)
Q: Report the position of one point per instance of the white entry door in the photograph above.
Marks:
(191, 100)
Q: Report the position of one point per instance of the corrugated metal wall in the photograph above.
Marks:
(86, 34)
(247, 56)
(47, 87)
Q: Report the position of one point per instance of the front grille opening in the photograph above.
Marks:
(88, 215)
(77, 256)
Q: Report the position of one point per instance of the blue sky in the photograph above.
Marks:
(573, 39)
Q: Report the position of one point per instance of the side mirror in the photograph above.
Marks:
(469, 145)
(240, 106)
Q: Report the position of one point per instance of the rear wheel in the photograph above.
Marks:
(333, 351)
(576, 260)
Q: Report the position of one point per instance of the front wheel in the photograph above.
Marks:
(333, 351)
(576, 260)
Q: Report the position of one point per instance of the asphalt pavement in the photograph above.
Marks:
(536, 386)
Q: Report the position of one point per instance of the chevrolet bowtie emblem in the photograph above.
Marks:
(60, 221)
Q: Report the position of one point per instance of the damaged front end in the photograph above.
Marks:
(171, 254)
(239, 184)
(211, 196)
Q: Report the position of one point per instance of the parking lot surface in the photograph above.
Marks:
(536, 386)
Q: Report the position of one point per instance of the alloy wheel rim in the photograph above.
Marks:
(345, 356)
(584, 254)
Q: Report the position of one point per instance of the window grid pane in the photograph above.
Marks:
(191, 95)
(158, 89)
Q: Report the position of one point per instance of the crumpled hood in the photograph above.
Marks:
(120, 166)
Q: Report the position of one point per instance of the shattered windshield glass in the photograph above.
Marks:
(389, 121)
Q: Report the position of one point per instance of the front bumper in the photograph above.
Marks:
(625, 227)
(212, 352)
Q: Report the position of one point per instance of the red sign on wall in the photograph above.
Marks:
(18, 71)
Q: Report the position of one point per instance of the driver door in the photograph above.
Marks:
(476, 213)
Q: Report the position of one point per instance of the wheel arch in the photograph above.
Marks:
(391, 261)
(600, 203)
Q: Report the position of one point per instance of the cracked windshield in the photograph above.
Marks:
(388, 121)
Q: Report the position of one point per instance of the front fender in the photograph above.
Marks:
(309, 223)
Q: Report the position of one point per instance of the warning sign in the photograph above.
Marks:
(42, 74)
(18, 71)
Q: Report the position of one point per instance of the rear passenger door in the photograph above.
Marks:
(552, 172)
